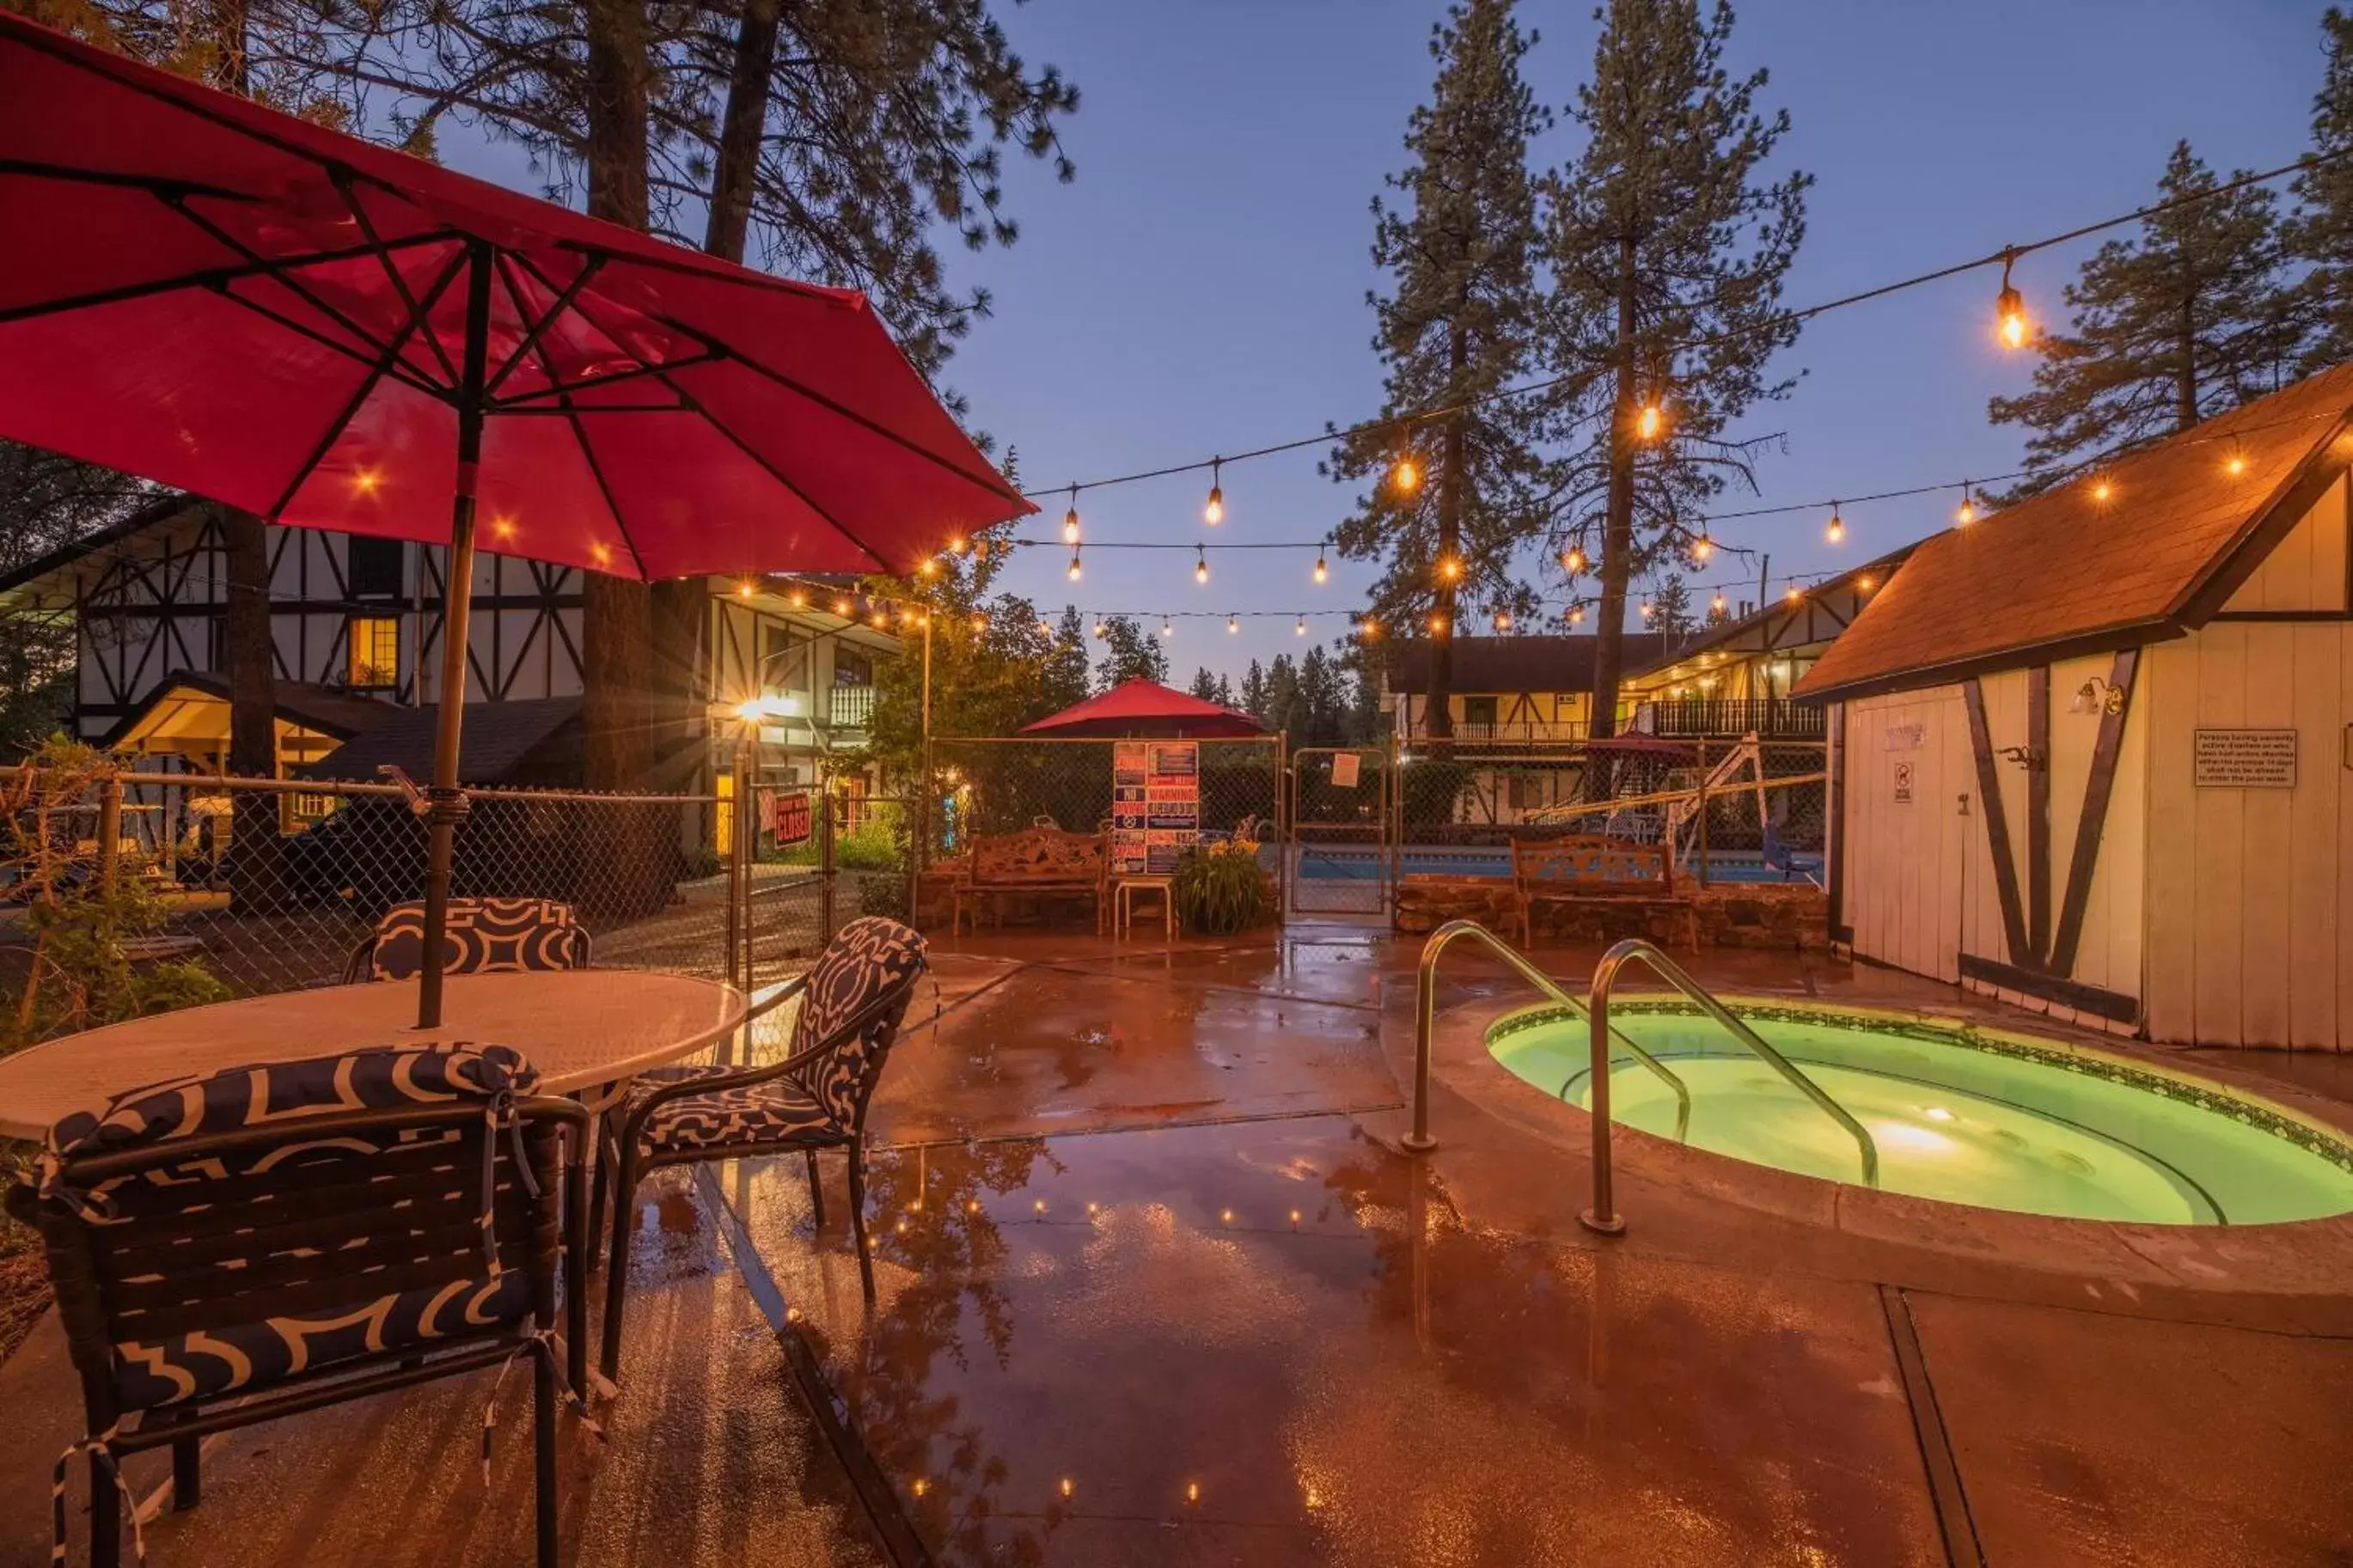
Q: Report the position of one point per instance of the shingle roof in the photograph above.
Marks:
(1515, 664)
(499, 742)
(340, 714)
(2068, 572)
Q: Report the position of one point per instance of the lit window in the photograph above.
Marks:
(375, 651)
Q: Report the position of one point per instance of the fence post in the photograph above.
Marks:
(1703, 830)
(109, 829)
(825, 870)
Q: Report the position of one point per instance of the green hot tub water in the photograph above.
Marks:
(1968, 1118)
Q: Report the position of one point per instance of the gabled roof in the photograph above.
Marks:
(339, 714)
(1819, 616)
(2070, 572)
(1508, 664)
(503, 743)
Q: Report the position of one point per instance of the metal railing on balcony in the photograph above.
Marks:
(850, 707)
(1772, 717)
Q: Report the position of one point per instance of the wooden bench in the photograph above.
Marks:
(1587, 868)
(1034, 861)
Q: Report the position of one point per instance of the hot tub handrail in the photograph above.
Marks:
(1603, 1216)
(1425, 1022)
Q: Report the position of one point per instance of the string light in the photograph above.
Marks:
(2009, 310)
(1448, 569)
(2102, 490)
(1074, 564)
(1438, 626)
(1071, 519)
(744, 589)
(1405, 475)
(1701, 548)
(1716, 604)
(841, 608)
(1233, 623)
(979, 625)
(1968, 512)
(1299, 627)
(800, 599)
(1835, 530)
(1215, 513)
(1576, 615)
(2236, 464)
(958, 545)
(1650, 421)
(1572, 561)
(1323, 572)
(1503, 621)
(1100, 628)
(1368, 627)
(1796, 593)
(1649, 609)
(1166, 629)
(1201, 566)
(1865, 584)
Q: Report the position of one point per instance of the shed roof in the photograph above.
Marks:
(1515, 664)
(2073, 571)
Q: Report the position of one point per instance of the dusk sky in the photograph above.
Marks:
(1199, 287)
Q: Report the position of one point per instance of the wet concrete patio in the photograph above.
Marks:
(1158, 1287)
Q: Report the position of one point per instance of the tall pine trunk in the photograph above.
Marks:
(2185, 376)
(617, 617)
(1617, 519)
(1450, 483)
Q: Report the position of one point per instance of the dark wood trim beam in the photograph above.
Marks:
(2038, 810)
(2005, 865)
(2099, 1001)
(2137, 633)
(2230, 570)
(2092, 821)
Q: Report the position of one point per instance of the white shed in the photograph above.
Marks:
(2094, 754)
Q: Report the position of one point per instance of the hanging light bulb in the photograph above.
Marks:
(1448, 568)
(1835, 530)
(841, 608)
(1368, 627)
(1215, 513)
(1201, 565)
(1071, 519)
(1405, 475)
(1322, 571)
(958, 545)
(1716, 604)
(744, 588)
(929, 568)
(1572, 560)
(2010, 321)
(1796, 593)
(882, 619)
(1075, 565)
(1968, 512)
(1045, 625)
(1166, 629)
(1651, 421)
(2236, 464)
(1438, 626)
(979, 625)
(1299, 627)
(1099, 626)
(1701, 548)
(1576, 615)
(1233, 623)
(800, 599)
(1503, 621)
(2102, 490)
(980, 550)
(1649, 609)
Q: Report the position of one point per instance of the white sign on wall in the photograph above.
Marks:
(2244, 759)
(1903, 784)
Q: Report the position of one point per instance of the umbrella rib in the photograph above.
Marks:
(322, 340)
(207, 277)
(589, 456)
(230, 240)
(376, 373)
(400, 285)
(155, 184)
(588, 272)
(516, 403)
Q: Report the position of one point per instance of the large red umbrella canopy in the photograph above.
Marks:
(225, 298)
(1146, 709)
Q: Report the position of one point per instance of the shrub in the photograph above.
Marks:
(1219, 890)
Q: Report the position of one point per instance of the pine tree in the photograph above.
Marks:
(1457, 324)
(1282, 694)
(1254, 691)
(2321, 232)
(1064, 680)
(2185, 321)
(1224, 695)
(1671, 611)
(1205, 685)
(1669, 250)
(1130, 653)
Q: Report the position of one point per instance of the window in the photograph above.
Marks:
(1527, 791)
(783, 660)
(373, 568)
(852, 668)
(375, 651)
(1479, 712)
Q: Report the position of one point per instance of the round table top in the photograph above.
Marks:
(579, 1028)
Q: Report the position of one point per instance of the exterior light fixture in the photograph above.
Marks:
(1075, 565)
(2010, 324)
(1215, 513)
(2098, 695)
(1322, 571)
(1201, 565)
(1576, 615)
(1071, 519)
(1835, 530)
(1233, 622)
(1650, 421)
(1405, 475)
(1701, 548)
(1166, 629)
(1299, 627)
(1967, 513)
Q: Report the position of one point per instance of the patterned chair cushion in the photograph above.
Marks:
(282, 1095)
(485, 936)
(752, 1113)
(864, 960)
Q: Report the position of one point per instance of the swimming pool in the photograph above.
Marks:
(1993, 1118)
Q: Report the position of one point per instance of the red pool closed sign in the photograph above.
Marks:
(789, 820)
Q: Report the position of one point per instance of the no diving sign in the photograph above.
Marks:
(1903, 784)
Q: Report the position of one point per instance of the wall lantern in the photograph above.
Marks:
(2098, 695)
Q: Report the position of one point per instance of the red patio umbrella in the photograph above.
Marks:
(335, 334)
(1141, 708)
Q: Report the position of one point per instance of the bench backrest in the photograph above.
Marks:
(1037, 855)
(1586, 861)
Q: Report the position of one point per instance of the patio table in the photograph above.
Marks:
(581, 1028)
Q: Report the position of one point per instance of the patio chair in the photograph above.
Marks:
(270, 1239)
(852, 1002)
(486, 936)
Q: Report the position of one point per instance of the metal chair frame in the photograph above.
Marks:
(77, 1253)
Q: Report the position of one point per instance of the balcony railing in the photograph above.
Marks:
(1697, 717)
(850, 707)
(1524, 730)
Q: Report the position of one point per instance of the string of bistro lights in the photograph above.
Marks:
(2013, 329)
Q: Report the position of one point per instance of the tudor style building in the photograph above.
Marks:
(2094, 754)
(357, 624)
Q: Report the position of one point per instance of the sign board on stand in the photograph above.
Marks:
(1156, 805)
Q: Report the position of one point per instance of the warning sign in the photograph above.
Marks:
(2244, 759)
(788, 817)
(1903, 784)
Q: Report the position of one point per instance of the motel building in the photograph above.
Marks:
(2093, 754)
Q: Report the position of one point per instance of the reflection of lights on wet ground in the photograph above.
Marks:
(1225, 1216)
(1094, 1209)
(919, 1486)
(1040, 1206)
(1295, 1217)
(1192, 1491)
(1066, 1486)
(971, 1206)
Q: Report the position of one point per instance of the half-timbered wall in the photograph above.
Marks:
(153, 605)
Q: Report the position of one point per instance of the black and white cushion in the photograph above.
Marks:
(484, 936)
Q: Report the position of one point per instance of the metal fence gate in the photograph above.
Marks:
(1342, 846)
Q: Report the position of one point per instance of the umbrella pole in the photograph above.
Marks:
(445, 802)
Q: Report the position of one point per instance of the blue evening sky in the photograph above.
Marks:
(1200, 286)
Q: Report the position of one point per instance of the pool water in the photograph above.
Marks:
(1998, 1121)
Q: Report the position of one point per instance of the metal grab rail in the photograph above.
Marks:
(1603, 1216)
(1418, 1141)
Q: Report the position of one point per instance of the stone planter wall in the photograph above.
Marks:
(1788, 916)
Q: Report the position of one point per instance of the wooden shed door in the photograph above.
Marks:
(1907, 765)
